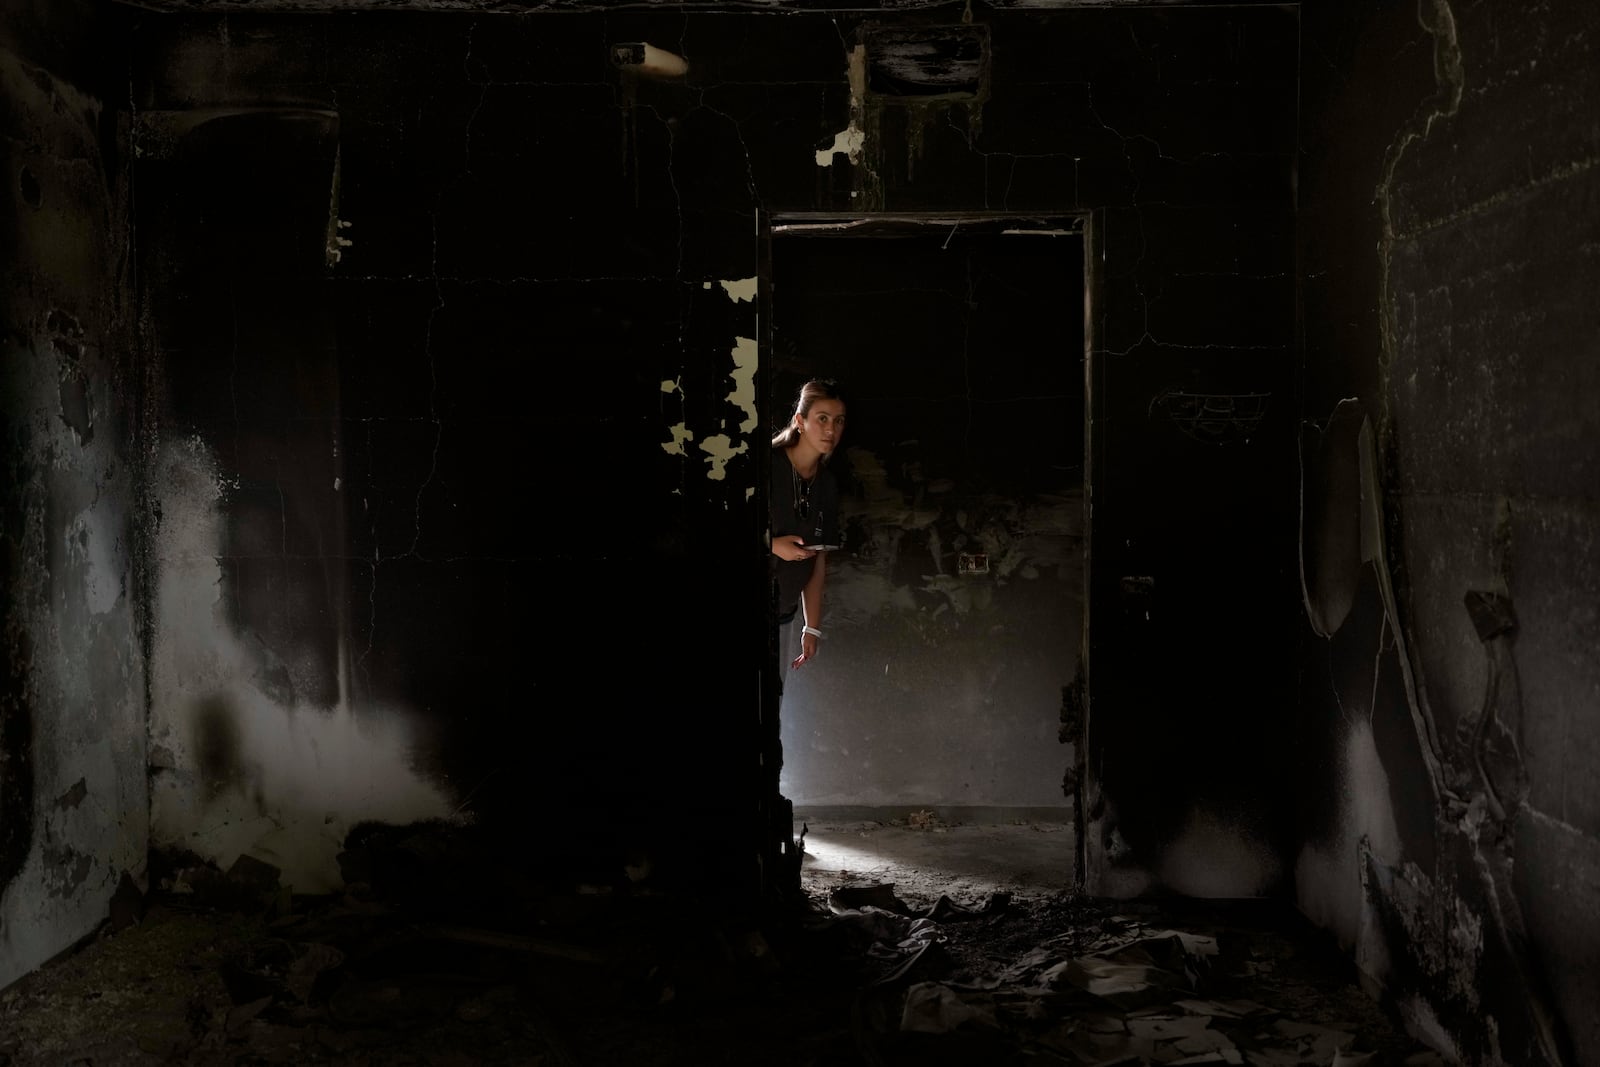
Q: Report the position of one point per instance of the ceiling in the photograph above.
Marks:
(530, 6)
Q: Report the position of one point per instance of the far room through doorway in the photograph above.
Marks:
(925, 736)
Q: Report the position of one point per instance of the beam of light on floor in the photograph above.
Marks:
(829, 855)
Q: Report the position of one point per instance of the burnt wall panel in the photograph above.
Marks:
(1448, 229)
(537, 441)
(73, 596)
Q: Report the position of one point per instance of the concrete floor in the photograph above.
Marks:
(927, 857)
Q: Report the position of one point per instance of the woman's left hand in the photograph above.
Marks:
(808, 649)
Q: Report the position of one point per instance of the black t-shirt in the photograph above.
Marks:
(820, 502)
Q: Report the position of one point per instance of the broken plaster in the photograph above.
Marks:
(848, 141)
(719, 450)
(851, 140)
(743, 394)
(681, 435)
(739, 290)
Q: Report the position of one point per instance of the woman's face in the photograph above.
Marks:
(823, 425)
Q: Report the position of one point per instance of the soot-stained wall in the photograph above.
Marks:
(953, 611)
(1450, 221)
(264, 741)
(464, 403)
(432, 294)
(73, 810)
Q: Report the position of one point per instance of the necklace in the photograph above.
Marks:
(802, 496)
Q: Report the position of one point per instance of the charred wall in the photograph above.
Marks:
(1448, 265)
(73, 809)
(437, 476)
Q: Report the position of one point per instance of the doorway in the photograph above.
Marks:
(956, 611)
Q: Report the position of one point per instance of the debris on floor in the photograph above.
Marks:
(1119, 988)
(444, 950)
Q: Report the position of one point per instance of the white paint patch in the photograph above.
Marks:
(848, 140)
(302, 776)
(681, 435)
(742, 290)
(671, 385)
(719, 450)
(743, 394)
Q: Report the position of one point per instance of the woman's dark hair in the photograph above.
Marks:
(814, 390)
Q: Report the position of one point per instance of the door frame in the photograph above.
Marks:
(1087, 226)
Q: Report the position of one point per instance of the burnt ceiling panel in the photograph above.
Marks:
(531, 6)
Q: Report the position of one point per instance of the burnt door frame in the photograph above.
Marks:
(772, 226)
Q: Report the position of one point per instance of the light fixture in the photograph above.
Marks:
(646, 60)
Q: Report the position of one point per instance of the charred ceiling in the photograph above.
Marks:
(513, 7)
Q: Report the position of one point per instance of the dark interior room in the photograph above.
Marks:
(1208, 667)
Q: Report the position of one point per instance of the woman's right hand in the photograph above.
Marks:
(791, 547)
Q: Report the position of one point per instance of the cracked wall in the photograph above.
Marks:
(73, 810)
(1448, 270)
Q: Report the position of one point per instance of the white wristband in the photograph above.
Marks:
(812, 630)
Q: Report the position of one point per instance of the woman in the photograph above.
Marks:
(805, 508)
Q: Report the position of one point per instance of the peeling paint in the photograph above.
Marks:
(671, 385)
(681, 435)
(66, 869)
(743, 395)
(719, 450)
(848, 141)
